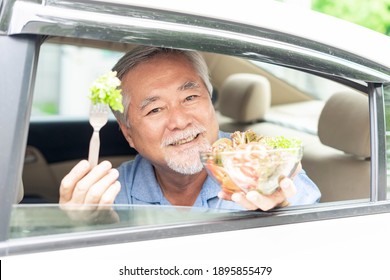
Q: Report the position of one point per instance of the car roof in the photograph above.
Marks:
(267, 15)
(286, 18)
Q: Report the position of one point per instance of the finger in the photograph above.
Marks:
(288, 187)
(264, 202)
(96, 191)
(83, 186)
(224, 195)
(69, 182)
(241, 199)
(110, 194)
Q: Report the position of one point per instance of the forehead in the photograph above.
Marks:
(158, 77)
(162, 69)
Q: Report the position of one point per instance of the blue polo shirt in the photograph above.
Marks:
(140, 186)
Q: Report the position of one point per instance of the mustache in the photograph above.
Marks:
(182, 135)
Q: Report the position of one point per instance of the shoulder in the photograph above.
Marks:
(129, 167)
(127, 164)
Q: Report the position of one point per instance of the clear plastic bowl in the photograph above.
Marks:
(258, 169)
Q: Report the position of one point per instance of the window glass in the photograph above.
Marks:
(64, 75)
(29, 220)
(314, 86)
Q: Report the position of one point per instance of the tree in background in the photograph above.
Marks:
(373, 14)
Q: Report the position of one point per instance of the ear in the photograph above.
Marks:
(126, 133)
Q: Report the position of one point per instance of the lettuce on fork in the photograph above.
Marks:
(106, 90)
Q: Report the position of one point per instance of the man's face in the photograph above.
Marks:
(171, 116)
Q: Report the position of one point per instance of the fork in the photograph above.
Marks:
(98, 116)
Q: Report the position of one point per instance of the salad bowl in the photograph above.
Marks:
(252, 166)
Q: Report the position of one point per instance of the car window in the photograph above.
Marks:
(66, 71)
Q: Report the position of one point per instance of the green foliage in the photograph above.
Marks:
(47, 108)
(373, 14)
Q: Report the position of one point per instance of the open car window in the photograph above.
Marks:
(336, 158)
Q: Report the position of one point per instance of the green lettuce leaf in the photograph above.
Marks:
(106, 90)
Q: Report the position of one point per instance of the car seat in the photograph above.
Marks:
(340, 162)
(244, 99)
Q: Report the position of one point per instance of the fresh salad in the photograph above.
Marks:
(106, 90)
(248, 161)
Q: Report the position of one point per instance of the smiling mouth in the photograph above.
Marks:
(186, 140)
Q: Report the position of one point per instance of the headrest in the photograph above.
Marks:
(245, 97)
(344, 124)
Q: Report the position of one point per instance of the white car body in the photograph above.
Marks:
(343, 239)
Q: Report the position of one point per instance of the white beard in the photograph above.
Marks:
(187, 162)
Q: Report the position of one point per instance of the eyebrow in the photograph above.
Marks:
(147, 101)
(187, 85)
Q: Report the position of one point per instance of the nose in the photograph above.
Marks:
(179, 118)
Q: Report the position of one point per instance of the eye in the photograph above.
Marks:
(154, 111)
(191, 97)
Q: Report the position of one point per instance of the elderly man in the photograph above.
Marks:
(169, 118)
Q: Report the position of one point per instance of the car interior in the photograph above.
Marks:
(334, 128)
